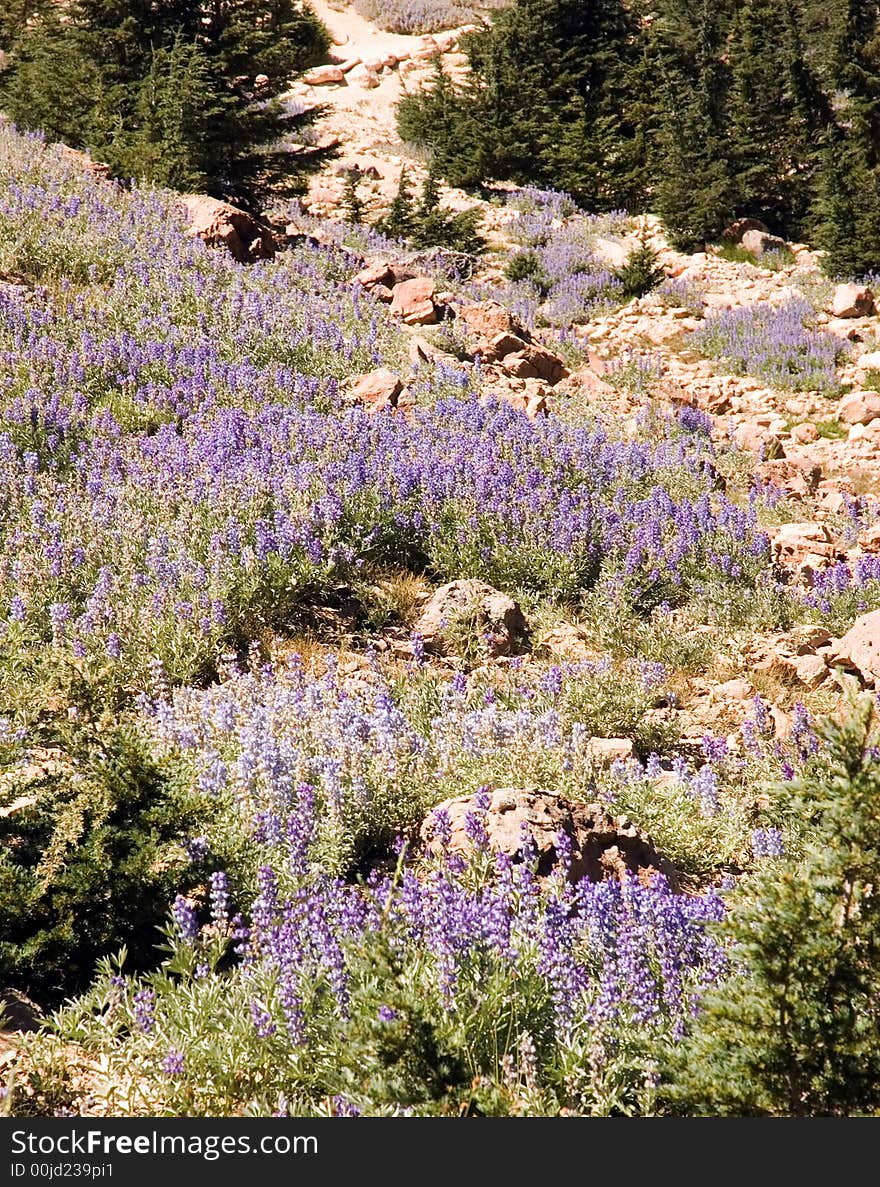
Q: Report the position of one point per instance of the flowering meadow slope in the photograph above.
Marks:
(181, 477)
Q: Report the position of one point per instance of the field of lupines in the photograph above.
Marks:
(182, 477)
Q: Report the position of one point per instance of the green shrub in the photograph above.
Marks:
(794, 1030)
(90, 859)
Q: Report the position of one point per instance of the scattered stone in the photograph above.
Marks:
(492, 615)
(323, 76)
(810, 670)
(570, 641)
(603, 846)
(803, 544)
(759, 242)
(606, 751)
(378, 273)
(732, 690)
(869, 361)
(852, 300)
(487, 319)
(221, 225)
(535, 362)
(870, 538)
(378, 389)
(860, 647)
(859, 408)
(413, 301)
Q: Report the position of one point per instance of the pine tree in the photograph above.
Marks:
(777, 116)
(399, 222)
(794, 1030)
(846, 208)
(176, 113)
(549, 99)
(94, 79)
(694, 191)
(352, 203)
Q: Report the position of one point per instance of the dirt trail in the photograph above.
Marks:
(359, 114)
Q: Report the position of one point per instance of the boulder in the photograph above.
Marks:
(532, 403)
(501, 345)
(606, 751)
(803, 544)
(494, 616)
(603, 846)
(859, 408)
(377, 389)
(869, 361)
(413, 301)
(860, 647)
(221, 225)
(535, 362)
(810, 670)
(852, 300)
(323, 76)
(379, 273)
(738, 228)
(759, 242)
(487, 319)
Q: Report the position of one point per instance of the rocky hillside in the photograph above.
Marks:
(433, 646)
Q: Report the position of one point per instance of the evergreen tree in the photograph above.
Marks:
(777, 115)
(794, 1029)
(549, 99)
(103, 78)
(846, 209)
(400, 220)
(352, 203)
(694, 190)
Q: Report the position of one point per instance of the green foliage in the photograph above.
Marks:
(400, 220)
(550, 98)
(166, 92)
(352, 202)
(640, 272)
(91, 858)
(426, 223)
(794, 1030)
(694, 188)
(526, 265)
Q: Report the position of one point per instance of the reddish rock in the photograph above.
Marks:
(498, 347)
(413, 301)
(796, 475)
(492, 615)
(98, 169)
(860, 647)
(378, 389)
(870, 538)
(323, 76)
(810, 670)
(852, 300)
(803, 544)
(603, 846)
(590, 383)
(859, 408)
(221, 225)
(606, 751)
(534, 362)
(375, 274)
(487, 319)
